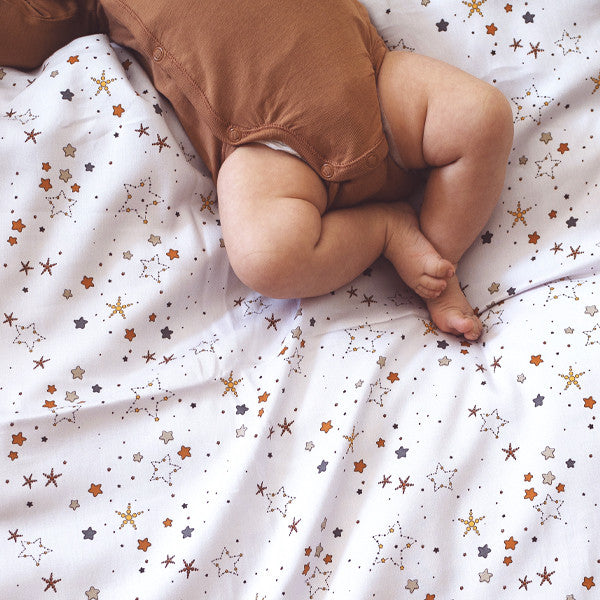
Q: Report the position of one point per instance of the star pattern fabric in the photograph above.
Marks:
(167, 432)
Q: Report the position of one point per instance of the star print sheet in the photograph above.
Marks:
(169, 433)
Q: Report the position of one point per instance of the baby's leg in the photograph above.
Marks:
(461, 128)
(281, 243)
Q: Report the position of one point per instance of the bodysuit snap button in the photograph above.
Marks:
(327, 171)
(234, 134)
(158, 54)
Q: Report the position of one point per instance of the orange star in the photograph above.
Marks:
(263, 397)
(130, 334)
(589, 402)
(533, 237)
(560, 487)
(51, 389)
(75, 187)
(307, 551)
(12, 240)
(18, 439)
(552, 214)
(87, 282)
(18, 226)
(118, 110)
(152, 318)
(173, 254)
(45, 185)
(328, 559)
(144, 544)
(49, 404)
(326, 426)
(507, 560)
(167, 522)
(530, 494)
(510, 543)
(536, 360)
(306, 569)
(393, 377)
(95, 489)
(380, 443)
(46, 166)
(359, 466)
(508, 8)
(73, 59)
(185, 452)
(491, 29)
(13, 455)
(563, 148)
(588, 582)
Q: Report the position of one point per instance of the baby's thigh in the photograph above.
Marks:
(433, 110)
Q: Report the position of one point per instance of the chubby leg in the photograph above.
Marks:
(460, 128)
(282, 243)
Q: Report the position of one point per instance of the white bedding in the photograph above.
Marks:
(168, 433)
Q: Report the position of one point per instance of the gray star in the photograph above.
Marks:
(322, 467)
(92, 593)
(65, 175)
(548, 452)
(77, 372)
(187, 532)
(69, 150)
(89, 533)
(538, 400)
(74, 504)
(483, 551)
(80, 323)
(67, 95)
(166, 437)
(401, 452)
(548, 477)
(71, 396)
(570, 463)
(89, 167)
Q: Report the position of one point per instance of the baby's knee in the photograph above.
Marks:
(495, 121)
(266, 271)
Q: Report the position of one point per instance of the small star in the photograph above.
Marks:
(528, 17)
(442, 25)
(69, 150)
(80, 323)
(74, 504)
(322, 467)
(401, 452)
(67, 95)
(516, 44)
(548, 452)
(89, 533)
(92, 593)
(485, 576)
(187, 532)
(483, 551)
(412, 585)
(166, 437)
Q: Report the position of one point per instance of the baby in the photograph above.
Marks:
(357, 124)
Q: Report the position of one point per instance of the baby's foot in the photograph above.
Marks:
(414, 258)
(452, 313)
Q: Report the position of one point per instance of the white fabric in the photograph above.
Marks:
(168, 433)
